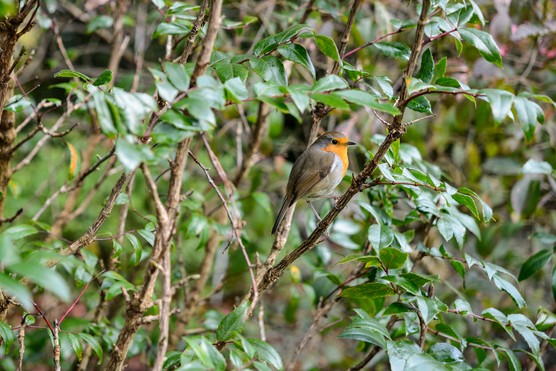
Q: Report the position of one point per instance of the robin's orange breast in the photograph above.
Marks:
(341, 151)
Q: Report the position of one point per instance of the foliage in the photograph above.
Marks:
(443, 257)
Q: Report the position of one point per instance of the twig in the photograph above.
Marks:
(11, 218)
(21, 338)
(379, 38)
(345, 36)
(430, 91)
(423, 326)
(44, 139)
(235, 227)
(254, 143)
(66, 188)
(195, 28)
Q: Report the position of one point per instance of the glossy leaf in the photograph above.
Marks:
(266, 353)
(270, 68)
(327, 46)
(297, 53)
(368, 291)
(534, 264)
(232, 323)
(392, 258)
(396, 49)
(484, 43)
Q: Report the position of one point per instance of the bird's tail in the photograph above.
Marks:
(280, 216)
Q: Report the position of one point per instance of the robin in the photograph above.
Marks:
(317, 172)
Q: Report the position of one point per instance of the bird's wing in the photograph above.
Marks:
(307, 171)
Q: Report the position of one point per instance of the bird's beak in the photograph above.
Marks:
(351, 143)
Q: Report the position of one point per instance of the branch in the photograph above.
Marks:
(345, 36)
(431, 91)
(380, 38)
(195, 28)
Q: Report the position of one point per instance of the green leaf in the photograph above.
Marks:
(131, 154)
(426, 72)
(166, 90)
(415, 85)
(528, 115)
(439, 69)
(137, 248)
(103, 114)
(330, 82)
(500, 103)
(207, 353)
(525, 327)
(104, 78)
(420, 104)
(235, 90)
(331, 101)
(44, 277)
(405, 355)
(392, 258)
(177, 75)
(365, 99)
(75, 343)
(20, 231)
(484, 43)
(227, 70)
(134, 108)
(270, 68)
(380, 236)
(299, 96)
(267, 353)
(233, 323)
(478, 12)
(459, 268)
(510, 289)
(461, 16)
(446, 353)
(368, 291)
(467, 201)
(534, 264)
(269, 44)
(17, 290)
(95, 345)
(327, 46)
(513, 360)
(297, 53)
(398, 307)
(396, 49)
(175, 28)
(368, 330)
(537, 167)
(7, 335)
(98, 22)
(72, 74)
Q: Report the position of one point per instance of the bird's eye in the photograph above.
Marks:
(334, 141)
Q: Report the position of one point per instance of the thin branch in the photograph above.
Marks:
(345, 36)
(195, 28)
(379, 38)
(431, 91)
(423, 327)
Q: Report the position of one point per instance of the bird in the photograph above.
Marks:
(317, 171)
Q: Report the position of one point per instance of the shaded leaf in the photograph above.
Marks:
(368, 291)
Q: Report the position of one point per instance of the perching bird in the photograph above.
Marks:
(317, 172)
